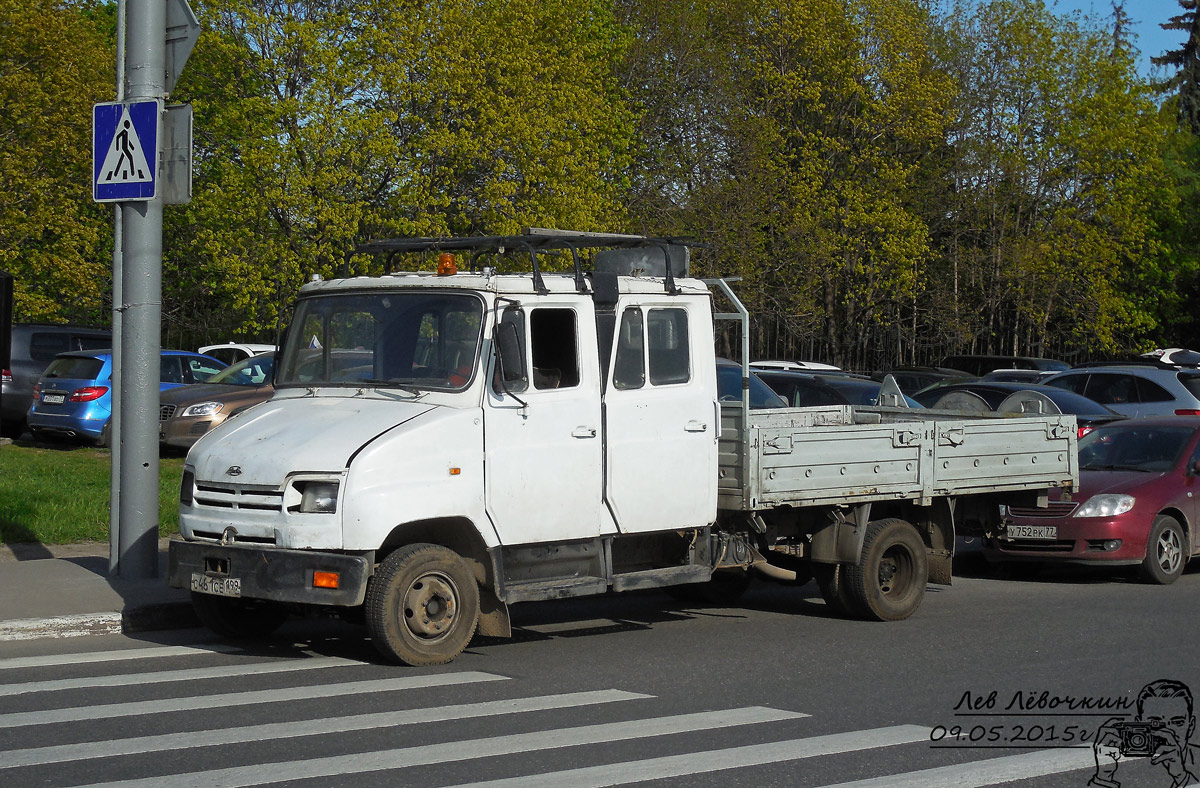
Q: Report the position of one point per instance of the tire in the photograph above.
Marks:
(725, 588)
(831, 580)
(889, 582)
(239, 619)
(422, 605)
(1167, 551)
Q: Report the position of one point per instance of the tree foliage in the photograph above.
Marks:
(891, 185)
(55, 62)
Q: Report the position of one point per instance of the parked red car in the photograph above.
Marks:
(1137, 503)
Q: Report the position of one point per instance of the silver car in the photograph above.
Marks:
(1136, 390)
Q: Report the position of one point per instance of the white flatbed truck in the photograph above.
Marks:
(443, 445)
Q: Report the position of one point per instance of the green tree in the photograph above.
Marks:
(1057, 176)
(1185, 82)
(56, 60)
(325, 124)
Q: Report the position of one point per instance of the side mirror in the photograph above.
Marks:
(512, 356)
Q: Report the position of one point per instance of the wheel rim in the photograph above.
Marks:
(430, 606)
(895, 571)
(1170, 551)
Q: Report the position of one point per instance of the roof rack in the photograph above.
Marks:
(533, 241)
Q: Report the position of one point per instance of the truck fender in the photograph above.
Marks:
(841, 540)
(936, 525)
(460, 535)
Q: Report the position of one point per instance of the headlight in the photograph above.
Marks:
(202, 409)
(1105, 506)
(318, 497)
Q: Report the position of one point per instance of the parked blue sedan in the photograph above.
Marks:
(73, 398)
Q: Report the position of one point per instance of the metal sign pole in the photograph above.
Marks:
(114, 496)
(141, 322)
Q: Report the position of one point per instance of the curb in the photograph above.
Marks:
(144, 618)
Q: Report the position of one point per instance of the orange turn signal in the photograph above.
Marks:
(446, 266)
(455, 471)
(325, 579)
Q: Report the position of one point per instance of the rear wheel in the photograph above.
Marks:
(889, 582)
(422, 605)
(1166, 551)
(831, 580)
(238, 618)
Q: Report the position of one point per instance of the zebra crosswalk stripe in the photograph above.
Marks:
(113, 655)
(190, 674)
(448, 752)
(143, 707)
(37, 756)
(672, 766)
(990, 771)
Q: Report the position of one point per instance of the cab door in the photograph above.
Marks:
(542, 438)
(660, 413)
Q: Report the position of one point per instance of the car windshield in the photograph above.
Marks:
(253, 371)
(1133, 447)
(407, 340)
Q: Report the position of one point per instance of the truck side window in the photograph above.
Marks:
(629, 366)
(670, 353)
(555, 352)
(516, 317)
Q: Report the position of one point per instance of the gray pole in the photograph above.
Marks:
(141, 323)
(114, 497)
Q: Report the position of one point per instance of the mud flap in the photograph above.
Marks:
(493, 615)
(940, 562)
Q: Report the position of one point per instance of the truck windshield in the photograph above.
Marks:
(410, 340)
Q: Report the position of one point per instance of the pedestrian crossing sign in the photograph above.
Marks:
(125, 137)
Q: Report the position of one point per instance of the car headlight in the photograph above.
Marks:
(202, 409)
(317, 497)
(1105, 506)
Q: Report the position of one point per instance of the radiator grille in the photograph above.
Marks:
(1055, 509)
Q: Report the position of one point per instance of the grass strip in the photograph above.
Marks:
(59, 495)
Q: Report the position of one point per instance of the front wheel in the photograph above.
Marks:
(888, 584)
(238, 618)
(1166, 551)
(422, 605)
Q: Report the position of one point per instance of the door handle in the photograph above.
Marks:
(584, 432)
(695, 426)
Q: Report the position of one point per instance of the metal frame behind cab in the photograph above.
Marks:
(533, 241)
(742, 315)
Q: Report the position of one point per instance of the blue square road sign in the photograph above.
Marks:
(125, 139)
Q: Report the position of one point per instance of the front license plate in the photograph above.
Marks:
(54, 399)
(218, 586)
(1032, 532)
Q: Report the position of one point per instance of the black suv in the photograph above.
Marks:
(34, 346)
(981, 365)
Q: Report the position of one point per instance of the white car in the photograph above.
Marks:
(792, 366)
(233, 352)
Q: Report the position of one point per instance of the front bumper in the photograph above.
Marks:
(1079, 541)
(270, 573)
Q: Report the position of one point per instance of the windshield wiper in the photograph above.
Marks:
(404, 386)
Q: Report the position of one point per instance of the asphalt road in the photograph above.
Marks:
(631, 689)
